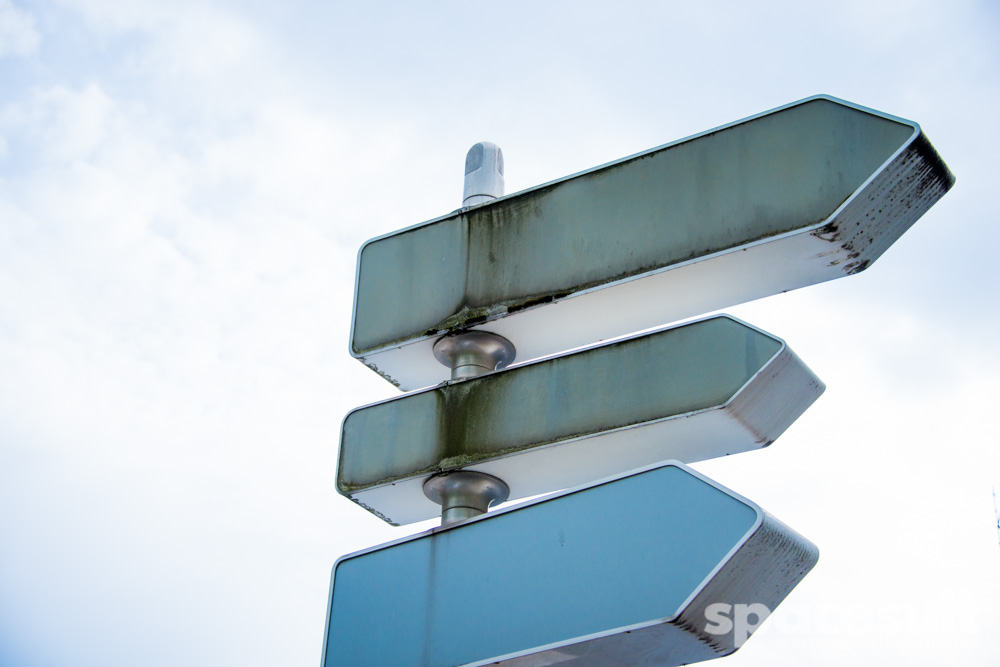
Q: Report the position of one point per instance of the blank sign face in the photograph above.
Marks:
(620, 555)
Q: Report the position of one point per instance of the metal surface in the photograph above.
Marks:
(483, 174)
(472, 353)
(621, 573)
(697, 391)
(463, 494)
(809, 192)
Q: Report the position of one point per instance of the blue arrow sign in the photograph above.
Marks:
(647, 568)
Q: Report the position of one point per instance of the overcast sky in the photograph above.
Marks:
(183, 190)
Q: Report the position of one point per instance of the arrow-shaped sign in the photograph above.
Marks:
(697, 391)
(809, 192)
(661, 567)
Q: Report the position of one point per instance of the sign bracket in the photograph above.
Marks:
(463, 494)
(472, 353)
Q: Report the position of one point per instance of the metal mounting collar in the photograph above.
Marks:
(472, 353)
(463, 494)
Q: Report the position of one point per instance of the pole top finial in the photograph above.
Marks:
(483, 174)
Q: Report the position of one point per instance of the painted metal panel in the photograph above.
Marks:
(700, 390)
(618, 573)
(809, 192)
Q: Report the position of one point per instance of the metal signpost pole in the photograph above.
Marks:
(465, 494)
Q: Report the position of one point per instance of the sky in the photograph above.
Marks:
(183, 190)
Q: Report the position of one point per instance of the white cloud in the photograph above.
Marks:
(135, 320)
(63, 125)
(182, 38)
(18, 36)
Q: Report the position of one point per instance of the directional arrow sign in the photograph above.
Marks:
(815, 190)
(655, 568)
(701, 390)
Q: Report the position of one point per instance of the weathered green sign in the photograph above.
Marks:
(693, 392)
(812, 191)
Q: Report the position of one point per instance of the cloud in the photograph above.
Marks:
(18, 36)
(193, 38)
(148, 294)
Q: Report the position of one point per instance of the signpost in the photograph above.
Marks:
(689, 393)
(641, 568)
(624, 572)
